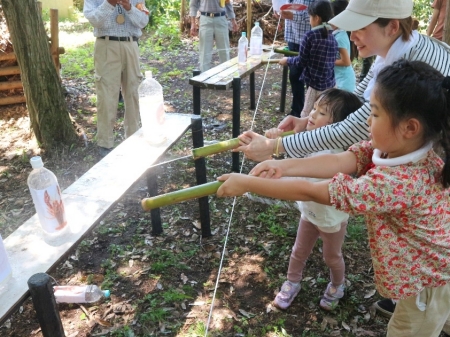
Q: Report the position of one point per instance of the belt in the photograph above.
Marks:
(120, 38)
(212, 15)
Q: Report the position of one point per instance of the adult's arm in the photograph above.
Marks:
(334, 136)
(433, 21)
(193, 9)
(96, 14)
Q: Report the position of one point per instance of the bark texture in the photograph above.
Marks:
(44, 94)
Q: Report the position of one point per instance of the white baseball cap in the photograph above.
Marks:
(361, 13)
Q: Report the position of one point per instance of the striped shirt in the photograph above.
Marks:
(295, 29)
(316, 57)
(355, 128)
(211, 7)
(102, 16)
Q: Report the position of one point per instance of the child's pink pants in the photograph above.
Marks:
(307, 235)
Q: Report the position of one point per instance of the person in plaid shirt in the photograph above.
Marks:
(295, 27)
(317, 54)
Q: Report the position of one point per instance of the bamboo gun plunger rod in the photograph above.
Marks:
(180, 195)
(204, 151)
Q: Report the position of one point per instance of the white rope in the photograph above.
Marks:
(234, 199)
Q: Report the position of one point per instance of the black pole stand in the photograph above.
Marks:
(44, 303)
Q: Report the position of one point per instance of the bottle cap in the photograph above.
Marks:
(148, 74)
(107, 293)
(36, 162)
(256, 23)
(244, 34)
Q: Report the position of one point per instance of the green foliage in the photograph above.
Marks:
(422, 11)
(271, 219)
(79, 62)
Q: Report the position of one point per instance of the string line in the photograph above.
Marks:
(234, 199)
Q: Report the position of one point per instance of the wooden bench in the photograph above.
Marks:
(88, 200)
(223, 77)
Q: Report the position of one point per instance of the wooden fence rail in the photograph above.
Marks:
(55, 50)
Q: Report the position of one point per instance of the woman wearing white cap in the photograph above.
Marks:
(383, 28)
(379, 27)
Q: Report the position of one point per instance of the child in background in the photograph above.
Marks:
(402, 190)
(332, 106)
(317, 54)
(343, 70)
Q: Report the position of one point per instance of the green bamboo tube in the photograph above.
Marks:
(233, 143)
(285, 52)
(180, 195)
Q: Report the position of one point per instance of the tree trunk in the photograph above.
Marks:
(446, 36)
(43, 91)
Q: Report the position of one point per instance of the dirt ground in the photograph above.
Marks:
(153, 292)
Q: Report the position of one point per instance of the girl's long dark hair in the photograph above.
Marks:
(416, 90)
(322, 9)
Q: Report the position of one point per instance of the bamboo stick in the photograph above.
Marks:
(180, 195)
(285, 52)
(233, 143)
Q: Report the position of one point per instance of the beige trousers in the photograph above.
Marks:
(210, 30)
(116, 65)
(409, 321)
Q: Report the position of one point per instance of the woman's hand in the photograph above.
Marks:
(234, 185)
(255, 147)
(287, 15)
(273, 133)
(293, 123)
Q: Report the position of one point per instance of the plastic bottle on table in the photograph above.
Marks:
(5, 267)
(79, 294)
(276, 4)
(242, 49)
(256, 40)
(46, 196)
(151, 107)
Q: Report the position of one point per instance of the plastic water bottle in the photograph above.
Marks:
(256, 40)
(5, 267)
(242, 49)
(151, 107)
(276, 4)
(46, 196)
(79, 294)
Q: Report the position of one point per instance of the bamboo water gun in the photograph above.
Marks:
(223, 146)
(198, 191)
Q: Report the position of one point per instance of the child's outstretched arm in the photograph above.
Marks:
(321, 166)
(236, 184)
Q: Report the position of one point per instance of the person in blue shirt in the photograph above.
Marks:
(296, 26)
(343, 69)
(317, 54)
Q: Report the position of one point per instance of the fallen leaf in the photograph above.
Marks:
(184, 278)
(370, 293)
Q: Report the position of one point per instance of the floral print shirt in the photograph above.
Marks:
(407, 214)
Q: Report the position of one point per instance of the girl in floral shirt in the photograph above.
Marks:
(402, 189)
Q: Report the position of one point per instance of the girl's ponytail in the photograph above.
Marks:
(445, 139)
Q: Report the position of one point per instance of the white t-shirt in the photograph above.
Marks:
(327, 218)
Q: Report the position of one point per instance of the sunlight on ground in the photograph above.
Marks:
(74, 40)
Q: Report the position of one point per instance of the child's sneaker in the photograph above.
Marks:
(287, 294)
(332, 296)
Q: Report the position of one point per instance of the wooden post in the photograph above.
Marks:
(249, 18)
(54, 37)
(182, 14)
(44, 303)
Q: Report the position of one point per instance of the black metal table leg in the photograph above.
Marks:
(252, 92)
(236, 119)
(284, 89)
(196, 94)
